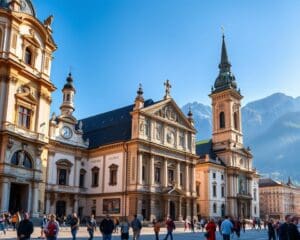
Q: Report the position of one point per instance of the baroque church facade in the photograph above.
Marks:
(140, 159)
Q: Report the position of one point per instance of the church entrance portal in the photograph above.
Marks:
(18, 198)
(60, 208)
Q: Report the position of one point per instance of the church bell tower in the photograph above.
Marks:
(226, 105)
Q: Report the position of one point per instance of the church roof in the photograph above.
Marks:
(204, 147)
(109, 127)
(26, 6)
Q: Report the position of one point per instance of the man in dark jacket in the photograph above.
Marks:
(25, 228)
(271, 230)
(288, 230)
(106, 227)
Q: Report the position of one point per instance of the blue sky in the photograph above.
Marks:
(113, 45)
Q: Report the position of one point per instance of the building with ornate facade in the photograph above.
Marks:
(139, 159)
(278, 199)
(226, 182)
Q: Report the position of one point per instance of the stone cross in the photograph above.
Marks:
(168, 87)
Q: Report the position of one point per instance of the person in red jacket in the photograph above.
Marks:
(211, 230)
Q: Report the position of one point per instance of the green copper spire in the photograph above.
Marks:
(225, 79)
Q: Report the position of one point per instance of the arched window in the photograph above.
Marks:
(22, 158)
(113, 173)
(28, 56)
(215, 208)
(236, 121)
(95, 177)
(222, 119)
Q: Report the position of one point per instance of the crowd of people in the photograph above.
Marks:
(227, 227)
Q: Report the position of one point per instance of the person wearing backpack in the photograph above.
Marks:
(52, 228)
(136, 228)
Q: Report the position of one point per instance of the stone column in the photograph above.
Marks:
(187, 177)
(35, 200)
(178, 175)
(180, 218)
(75, 207)
(168, 208)
(47, 210)
(193, 181)
(140, 168)
(5, 195)
(151, 171)
(165, 170)
(188, 209)
(152, 209)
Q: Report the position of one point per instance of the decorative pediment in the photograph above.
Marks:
(174, 191)
(168, 111)
(64, 163)
(25, 96)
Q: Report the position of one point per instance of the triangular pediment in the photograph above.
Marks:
(27, 97)
(173, 191)
(168, 110)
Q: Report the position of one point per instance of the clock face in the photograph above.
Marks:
(66, 132)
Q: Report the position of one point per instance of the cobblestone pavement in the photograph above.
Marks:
(147, 234)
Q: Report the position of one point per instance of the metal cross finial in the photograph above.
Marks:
(168, 87)
(223, 31)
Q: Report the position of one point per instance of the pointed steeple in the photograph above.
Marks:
(67, 107)
(289, 181)
(139, 100)
(224, 65)
(225, 79)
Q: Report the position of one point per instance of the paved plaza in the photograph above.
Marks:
(147, 234)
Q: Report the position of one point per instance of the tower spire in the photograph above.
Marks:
(224, 65)
(225, 79)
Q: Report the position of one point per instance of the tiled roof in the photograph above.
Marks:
(204, 147)
(109, 127)
(268, 182)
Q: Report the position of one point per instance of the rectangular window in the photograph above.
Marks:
(62, 177)
(214, 191)
(181, 179)
(157, 175)
(81, 180)
(24, 116)
(214, 175)
(198, 189)
(171, 176)
(95, 178)
(113, 177)
(143, 173)
(223, 191)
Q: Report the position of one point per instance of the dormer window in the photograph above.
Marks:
(28, 56)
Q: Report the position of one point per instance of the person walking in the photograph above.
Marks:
(43, 225)
(74, 224)
(156, 228)
(25, 228)
(52, 228)
(237, 227)
(91, 226)
(136, 228)
(271, 230)
(170, 228)
(226, 228)
(244, 225)
(124, 228)
(288, 230)
(211, 228)
(2, 223)
(107, 227)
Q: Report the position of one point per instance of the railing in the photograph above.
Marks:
(65, 188)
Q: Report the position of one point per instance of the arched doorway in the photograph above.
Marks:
(172, 211)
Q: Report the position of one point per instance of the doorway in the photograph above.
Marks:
(60, 209)
(172, 210)
(18, 198)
